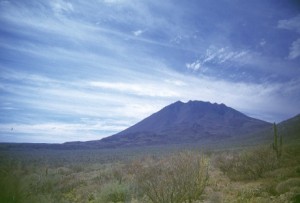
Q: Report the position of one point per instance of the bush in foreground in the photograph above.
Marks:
(173, 179)
(113, 192)
(248, 165)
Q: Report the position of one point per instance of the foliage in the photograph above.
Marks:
(277, 146)
(114, 192)
(131, 175)
(10, 190)
(248, 164)
(288, 185)
(173, 179)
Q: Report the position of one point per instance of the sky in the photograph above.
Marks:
(84, 70)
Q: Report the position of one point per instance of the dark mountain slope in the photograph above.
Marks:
(190, 122)
(214, 126)
(290, 129)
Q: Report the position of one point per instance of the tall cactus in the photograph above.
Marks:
(277, 147)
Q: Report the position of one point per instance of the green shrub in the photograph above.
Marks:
(277, 146)
(114, 192)
(248, 165)
(10, 187)
(296, 198)
(287, 185)
(173, 179)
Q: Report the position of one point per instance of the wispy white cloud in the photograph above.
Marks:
(214, 55)
(59, 25)
(60, 6)
(137, 32)
(59, 131)
(262, 42)
(104, 98)
(292, 24)
(114, 1)
(222, 55)
(193, 66)
(295, 49)
(175, 82)
(141, 89)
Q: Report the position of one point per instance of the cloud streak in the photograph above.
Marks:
(59, 131)
(295, 49)
(151, 90)
(292, 24)
(193, 66)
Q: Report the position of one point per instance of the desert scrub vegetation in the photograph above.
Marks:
(277, 145)
(288, 185)
(141, 176)
(171, 178)
(256, 175)
(176, 178)
(247, 165)
(114, 192)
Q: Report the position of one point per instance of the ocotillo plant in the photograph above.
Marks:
(277, 147)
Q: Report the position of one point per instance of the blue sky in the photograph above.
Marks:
(84, 70)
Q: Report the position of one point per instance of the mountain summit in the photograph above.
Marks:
(191, 122)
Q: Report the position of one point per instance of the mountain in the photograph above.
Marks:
(183, 123)
(201, 123)
(290, 129)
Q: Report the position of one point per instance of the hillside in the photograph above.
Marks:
(195, 123)
(183, 123)
(290, 129)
